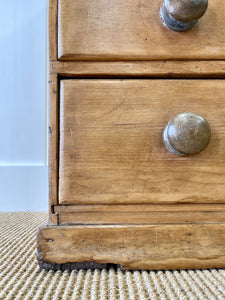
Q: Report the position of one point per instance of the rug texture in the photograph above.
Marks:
(21, 277)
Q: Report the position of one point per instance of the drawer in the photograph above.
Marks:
(133, 30)
(111, 148)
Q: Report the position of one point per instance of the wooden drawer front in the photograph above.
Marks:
(132, 30)
(111, 146)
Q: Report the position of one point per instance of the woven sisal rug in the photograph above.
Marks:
(21, 278)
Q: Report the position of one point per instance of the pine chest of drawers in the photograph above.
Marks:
(136, 135)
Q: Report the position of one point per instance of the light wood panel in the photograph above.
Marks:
(53, 150)
(53, 112)
(141, 214)
(135, 247)
(111, 149)
(139, 208)
(52, 29)
(151, 69)
(132, 30)
(154, 217)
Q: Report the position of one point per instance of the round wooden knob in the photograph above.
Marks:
(181, 15)
(187, 133)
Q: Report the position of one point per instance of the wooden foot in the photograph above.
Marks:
(165, 246)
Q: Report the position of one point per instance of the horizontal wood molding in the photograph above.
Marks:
(135, 246)
(139, 208)
(140, 214)
(168, 69)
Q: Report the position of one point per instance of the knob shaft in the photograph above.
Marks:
(182, 15)
(187, 133)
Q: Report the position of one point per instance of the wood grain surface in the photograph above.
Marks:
(53, 146)
(140, 214)
(148, 69)
(135, 247)
(52, 30)
(111, 145)
(133, 30)
(140, 208)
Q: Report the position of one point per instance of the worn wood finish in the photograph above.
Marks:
(132, 30)
(52, 29)
(140, 208)
(111, 142)
(53, 112)
(135, 247)
(151, 69)
(53, 147)
(153, 217)
(140, 214)
(99, 218)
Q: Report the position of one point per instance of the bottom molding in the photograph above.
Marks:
(133, 247)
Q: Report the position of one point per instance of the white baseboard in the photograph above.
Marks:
(23, 188)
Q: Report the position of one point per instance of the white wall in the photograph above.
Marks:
(23, 147)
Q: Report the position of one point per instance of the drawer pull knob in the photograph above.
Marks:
(182, 15)
(187, 133)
